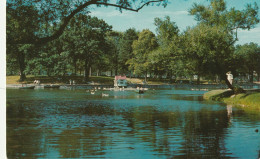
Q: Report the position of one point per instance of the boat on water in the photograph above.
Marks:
(51, 86)
(27, 87)
(140, 92)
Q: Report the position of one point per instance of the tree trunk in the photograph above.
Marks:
(48, 72)
(97, 72)
(145, 77)
(198, 79)
(21, 58)
(116, 71)
(86, 70)
(170, 76)
(75, 67)
(258, 76)
(90, 73)
(251, 76)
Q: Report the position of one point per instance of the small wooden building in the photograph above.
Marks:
(120, 81)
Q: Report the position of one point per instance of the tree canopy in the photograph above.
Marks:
(217, 14)
(57, 14)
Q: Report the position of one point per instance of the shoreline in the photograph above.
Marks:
(248, 100)
(200, 86)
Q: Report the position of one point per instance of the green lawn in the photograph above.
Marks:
(59, 80)
(245, 100)
(249, 100)
(217, 94)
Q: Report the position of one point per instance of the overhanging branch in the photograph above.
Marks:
(126, 8)
(65, 21)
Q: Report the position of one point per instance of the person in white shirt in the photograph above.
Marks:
(229, 77)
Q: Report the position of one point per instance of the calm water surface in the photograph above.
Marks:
(158, 124)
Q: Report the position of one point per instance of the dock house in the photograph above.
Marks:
(120, 81)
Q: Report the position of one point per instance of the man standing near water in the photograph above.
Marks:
(229, 77)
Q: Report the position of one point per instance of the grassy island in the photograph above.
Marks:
(249, 99)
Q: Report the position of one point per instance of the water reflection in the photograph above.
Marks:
(157, 124)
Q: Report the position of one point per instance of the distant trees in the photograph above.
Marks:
(248, 59)
(86, 42)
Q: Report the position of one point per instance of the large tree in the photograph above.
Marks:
(125, 49)
(142, 47)
(207, 51)
(165, 57)
(85, 40)
(217, 16)
(58, 13)
(18, 27)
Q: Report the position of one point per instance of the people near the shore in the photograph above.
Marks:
(36, 82)
(74, 82)
(229, 77)
(70, 82)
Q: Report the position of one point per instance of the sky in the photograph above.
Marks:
(178, 12)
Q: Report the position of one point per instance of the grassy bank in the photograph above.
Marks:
(59, 80)
(245, 99)
(217, 95)
(249, 100)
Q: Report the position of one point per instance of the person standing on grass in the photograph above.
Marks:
(229, 77)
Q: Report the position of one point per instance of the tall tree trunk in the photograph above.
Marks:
(21, 58)
(89, 70)
(116, 71)
(145, 77)
(48, 72)
(251, 76)
(170, 76)
(198, 79)
(75, 67)
(86, 70)
(258, 76)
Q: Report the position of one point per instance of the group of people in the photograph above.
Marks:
(72, 82)
(36, 82)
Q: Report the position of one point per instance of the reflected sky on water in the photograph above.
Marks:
(157, 124)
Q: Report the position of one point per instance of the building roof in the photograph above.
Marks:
(120, 77)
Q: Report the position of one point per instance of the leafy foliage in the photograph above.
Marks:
(141, 49)
(58, 14)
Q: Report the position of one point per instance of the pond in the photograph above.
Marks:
(169, 123)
